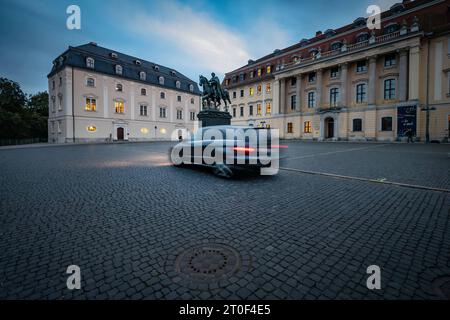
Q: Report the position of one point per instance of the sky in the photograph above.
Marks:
(193, 37)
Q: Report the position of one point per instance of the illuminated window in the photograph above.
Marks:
(268, 87)
(259, 72)
(91, 104)
(307, 127)
(259, 88)
(258, 109)
(143, 110)
(268, 108)
(119, 87)
(268, 69)
(144, 130)
(91, 128)
(119, 106)
(290, 127)
(90, 82)
(251, 91)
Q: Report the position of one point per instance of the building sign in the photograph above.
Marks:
(406, 119)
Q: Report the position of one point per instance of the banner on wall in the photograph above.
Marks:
(406, 119)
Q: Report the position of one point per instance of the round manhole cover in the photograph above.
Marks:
(208, 266)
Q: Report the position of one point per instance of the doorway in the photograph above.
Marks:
(329, 128)
(120, 134)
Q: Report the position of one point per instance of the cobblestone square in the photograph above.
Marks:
(140, 228)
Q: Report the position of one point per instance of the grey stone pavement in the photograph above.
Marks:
(125, 216)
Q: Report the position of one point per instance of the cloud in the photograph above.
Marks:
(203, 42)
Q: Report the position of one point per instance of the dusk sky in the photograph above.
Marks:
(193, 37)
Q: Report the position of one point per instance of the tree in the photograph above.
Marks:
(39, 103)
(12, 97)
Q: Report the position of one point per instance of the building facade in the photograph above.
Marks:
(98, 94)
(353, 83)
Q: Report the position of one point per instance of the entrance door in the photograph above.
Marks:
(329, 128)
(120, 133)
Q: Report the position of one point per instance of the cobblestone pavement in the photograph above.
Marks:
(126, 216)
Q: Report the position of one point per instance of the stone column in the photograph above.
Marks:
(283, 108)
(343, 100)
(371, 92)
(276, 97)
(402, 80)
(414, 60)
(319, 88)
(298, 93)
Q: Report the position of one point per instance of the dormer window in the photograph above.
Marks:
(156, 68)
(173, 73)
(142, 76)
(398, 7)
(359, 22)
(241, 76)
(90, 62)
(295, 58)
(178, 84)
(137, 62)
(119, 69)
(363, 36)
(161, 80)
(313, 51)
(329, 33)
(336, 45)
(304, 42)
(391, 28)
(191, 88)
(113, 55)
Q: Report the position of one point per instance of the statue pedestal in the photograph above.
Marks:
(209, 118)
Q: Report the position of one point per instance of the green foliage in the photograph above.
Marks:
(22, 117)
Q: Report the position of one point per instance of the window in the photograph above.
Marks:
(258, 109)
(259, 72)
(268, 108)
(60, 100)
(192, 116)
(119, 87)
(293, 81)
(307, 127)
(362, 37)
(357, 125)
(90, 82)
(161, 80)
(59, 126)
(234, 94)
(178, 84)
(241, 111)
(119, 106)
(336, 46)
(389, 60)
(143, 92)
(90, 63)
(251, 91)
(179, 114)
(268, 69)
(386, 124)
(259, 88)
(389, 89)
(119, 69)
(311, 77)
(191, 88)
(361, 93)
(242, 77)
(143, 110)
(311, 99)
(162, 95)
(290, 127)
(390, 28)
(293, 102)
(192, 101)
(242, 93)
(53, 104)
(179, 98)
(91, 104)
(142, 76)
(361, 66)
(334, 72)
(60, 81)
(334, 97)
(234, 112)
(162, 112)
(250, 110)
(268, 87)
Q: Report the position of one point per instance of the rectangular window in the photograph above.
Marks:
(179, 98)
(250, 110)
(119, 107)
(268, 69)
(258, 109)
(307, 127)
(293, 81)
(90, 82)
(251, 91)
(290, 127)
(386, 124)
(91, 104)
(143, 110)
(242, 93)
(311, 77)
(293, 102)
(361, 66)
(162, 112)
(357, 125)
(234, 112)
(311, 99)
(268, 108)
(334, 97)
(192, 115)
(241, 111)
(259, 72)
(361, 93)
(242, 77)
(389, 60)
(60, 81)
(268, 87)
(259, 88)
(234, 94)
(389, 89)
(179, 114)
(334, 72)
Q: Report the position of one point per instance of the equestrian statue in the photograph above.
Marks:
(213, 93)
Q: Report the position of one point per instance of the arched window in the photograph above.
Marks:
(191, 88)
(143, 92)
(178, 84)
(364, 36)
(390, 28)
(90, 62)
(119, 69)
(142, 75)
(336, 45)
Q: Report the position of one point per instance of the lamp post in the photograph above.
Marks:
(427, 108)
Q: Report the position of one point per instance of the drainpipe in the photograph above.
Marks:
(427, 108)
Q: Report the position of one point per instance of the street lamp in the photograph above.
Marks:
(427, 108)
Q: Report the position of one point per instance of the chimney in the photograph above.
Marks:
(93, 43)
(318, 33)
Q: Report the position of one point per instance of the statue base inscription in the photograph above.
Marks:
(210, 118)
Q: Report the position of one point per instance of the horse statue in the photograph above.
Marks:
(213, 93)
(208, 95)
